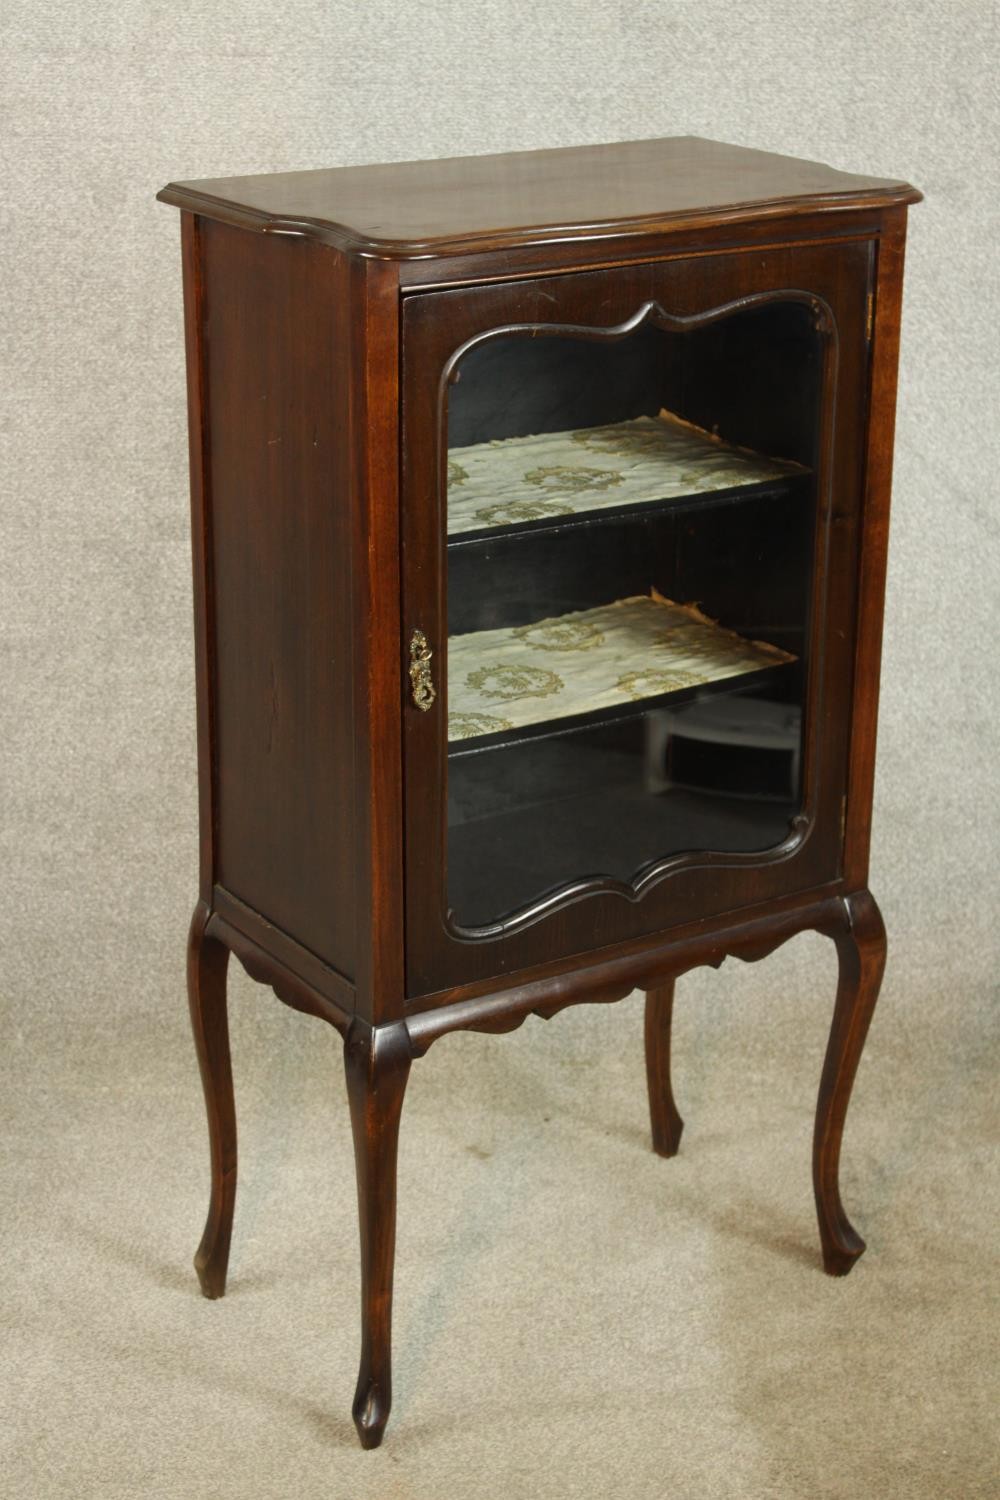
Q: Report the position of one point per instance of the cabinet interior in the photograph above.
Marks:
(594, 480)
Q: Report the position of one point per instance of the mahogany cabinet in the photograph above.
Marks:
(540, 508)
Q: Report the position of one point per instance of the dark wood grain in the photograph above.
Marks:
(201, 544)
(667, 1125)
(612, 973)
(270, 957)
(377, 1063)
(208, 960)
(408, 209)
(324, 312)
(861, 949)
(438, 272)
(592, 915)
(378, 646)
(276, 350)
(874, 548)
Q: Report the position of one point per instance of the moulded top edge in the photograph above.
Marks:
(451, 206)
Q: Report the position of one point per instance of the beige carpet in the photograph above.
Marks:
(575, 1317)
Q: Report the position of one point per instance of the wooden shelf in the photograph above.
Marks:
(514, 482)
(618, 658)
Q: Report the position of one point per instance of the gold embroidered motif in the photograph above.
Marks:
(467, 726)
(521, 510)
(651, 684)
(560, 635)
(565, 479)
(619, 440)
(504, 682)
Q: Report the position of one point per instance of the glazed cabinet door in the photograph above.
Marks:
(631, 507)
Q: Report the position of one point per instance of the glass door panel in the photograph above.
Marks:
(629, 578)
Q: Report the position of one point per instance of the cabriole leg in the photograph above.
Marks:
(666, 1123)
(377, 1062)
(861, 947)
(206, 974)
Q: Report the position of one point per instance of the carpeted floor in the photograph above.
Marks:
(575, 1317)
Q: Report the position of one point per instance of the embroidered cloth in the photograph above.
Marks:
(592, 659)
(520, 479)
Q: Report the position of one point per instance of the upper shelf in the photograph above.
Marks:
(524, 480)
(410, 210)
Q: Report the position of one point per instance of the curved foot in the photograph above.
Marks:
(861, 949)
(667, 1125)
(377, 1063)
(370, 1412)
(842, 1246)
(206, 973)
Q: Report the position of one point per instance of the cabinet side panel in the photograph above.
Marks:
(276, 362)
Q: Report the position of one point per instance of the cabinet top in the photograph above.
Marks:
(408, 210)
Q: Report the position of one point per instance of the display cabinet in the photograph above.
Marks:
(540, 513)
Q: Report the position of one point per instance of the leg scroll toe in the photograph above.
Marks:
(377, 1063)
(861, 949)
(370, 1412)
(665, 1121)
(207, 963)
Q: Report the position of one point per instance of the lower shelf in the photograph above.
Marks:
(619, 656)
(593, 802)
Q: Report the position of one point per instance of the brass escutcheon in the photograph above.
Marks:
(421, 683)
